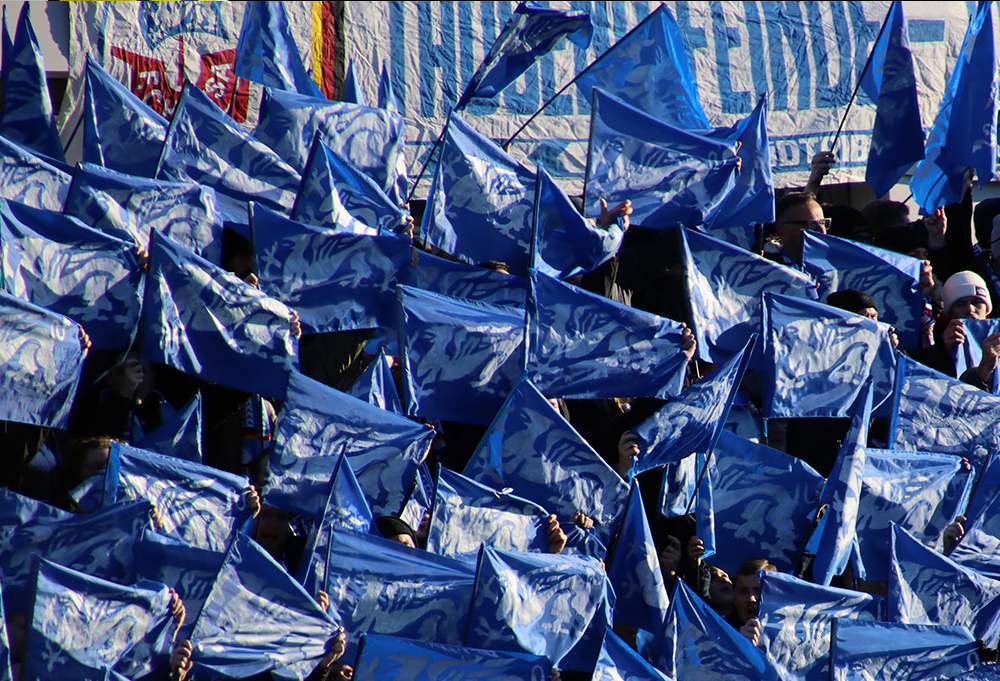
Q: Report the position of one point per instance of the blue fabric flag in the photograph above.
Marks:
(900, 652)
(186, 212)
(205, 321)
(266, 52)
(582, 345)
(967, 355)
(564, 243)
(318, 200)
(462, 280)
(31, 179)
(335, 281)
(897, 136)
(58, 263)
(27, 116)
(179, 435)
(531, 32)
(201, 505)
(386, 95)
(936, 413)
(672, 176)
(257, 618)
(377, 386)
(120, 131)
(964, 134)
(461, 358)
(352, 93)
(205, 145)
(725, 293)
(926, 587)
(692, 421)
(316, 424)
(370, 138)
(817, 358)
(389, 658)
(987, 487)
(797, 617)
(763, 502)
(919, 492)
(381, 586)
(531, 448)
(40, 363)
(893, 280)
(979, 547)
(618, 662)
(649, 68)
(82, 625)
(479, 206)
(539, 603)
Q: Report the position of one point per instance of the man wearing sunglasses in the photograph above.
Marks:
(795, 212)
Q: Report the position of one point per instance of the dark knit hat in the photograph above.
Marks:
(391, 526)
(851, 299)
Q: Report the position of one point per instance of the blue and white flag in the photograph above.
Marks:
(692, 421)
(17, 510)
(257, 618)
(462, 280)
(936, 413)
(564, 243)
(539, 603)
(205, 321)
(186, 212)
(461, 358)
(352, 93)
(266, 52)
(897, 136)
(797, 617)
(201, 505)
(27, 116)
(969, 354)
(583, 345)
(386, 95)
(318, 200)
(479, 206)
(725, 287)
(179, 435)
(40, 363)
(205, 145)
(763, 501)
(986, 489)
(370, 138)
(964, 134)
(671, 175)
(531, 448)
(376, 385)
(531, 32)
(468, 515)
(817, 358)
(82, 625)
(120, 131)
(31, 179)
(649, 68)
(979, 547)
(619, 662)
(893, 280)
(335, 281)
(59, 263)
(900, 652)
(317, 424)
(920, 492)
(926, 587)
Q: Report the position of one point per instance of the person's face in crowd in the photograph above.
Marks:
(720, 590)
(272, 529)
(746, 596)
(869, 312)
(93, 462)
(808, 215)
(969, 307)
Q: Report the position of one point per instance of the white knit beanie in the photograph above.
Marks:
(962, 285)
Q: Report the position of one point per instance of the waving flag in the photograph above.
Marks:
(967, 355)
(890, 278)
(964, 133)
(30, 179)
(40, 363)
(205, 321)
(462, 280)
(531, 32)
(318, 201)
(979, 547)
(531, 448)
(205, 145)
(672, 176)
(266, 51)
(649, 68)
(120, 131)
(461, 358)
(370, 138)
(897, 136)
(376, 385)
(258, 619)
(618, 662)
(479, 205)
(352, 93)
(386, 95)
(583, 345)
(199, 504)
(335, 281)
(179, 435)
(725, 292)
(797, 617)
(928, 588)
(316, 424)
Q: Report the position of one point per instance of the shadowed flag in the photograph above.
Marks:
(179, 435)
(266, 52)
(386, 95)
(352, 93)
(462, 280)
(619, 662)
(969, 354)
(377, 386)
